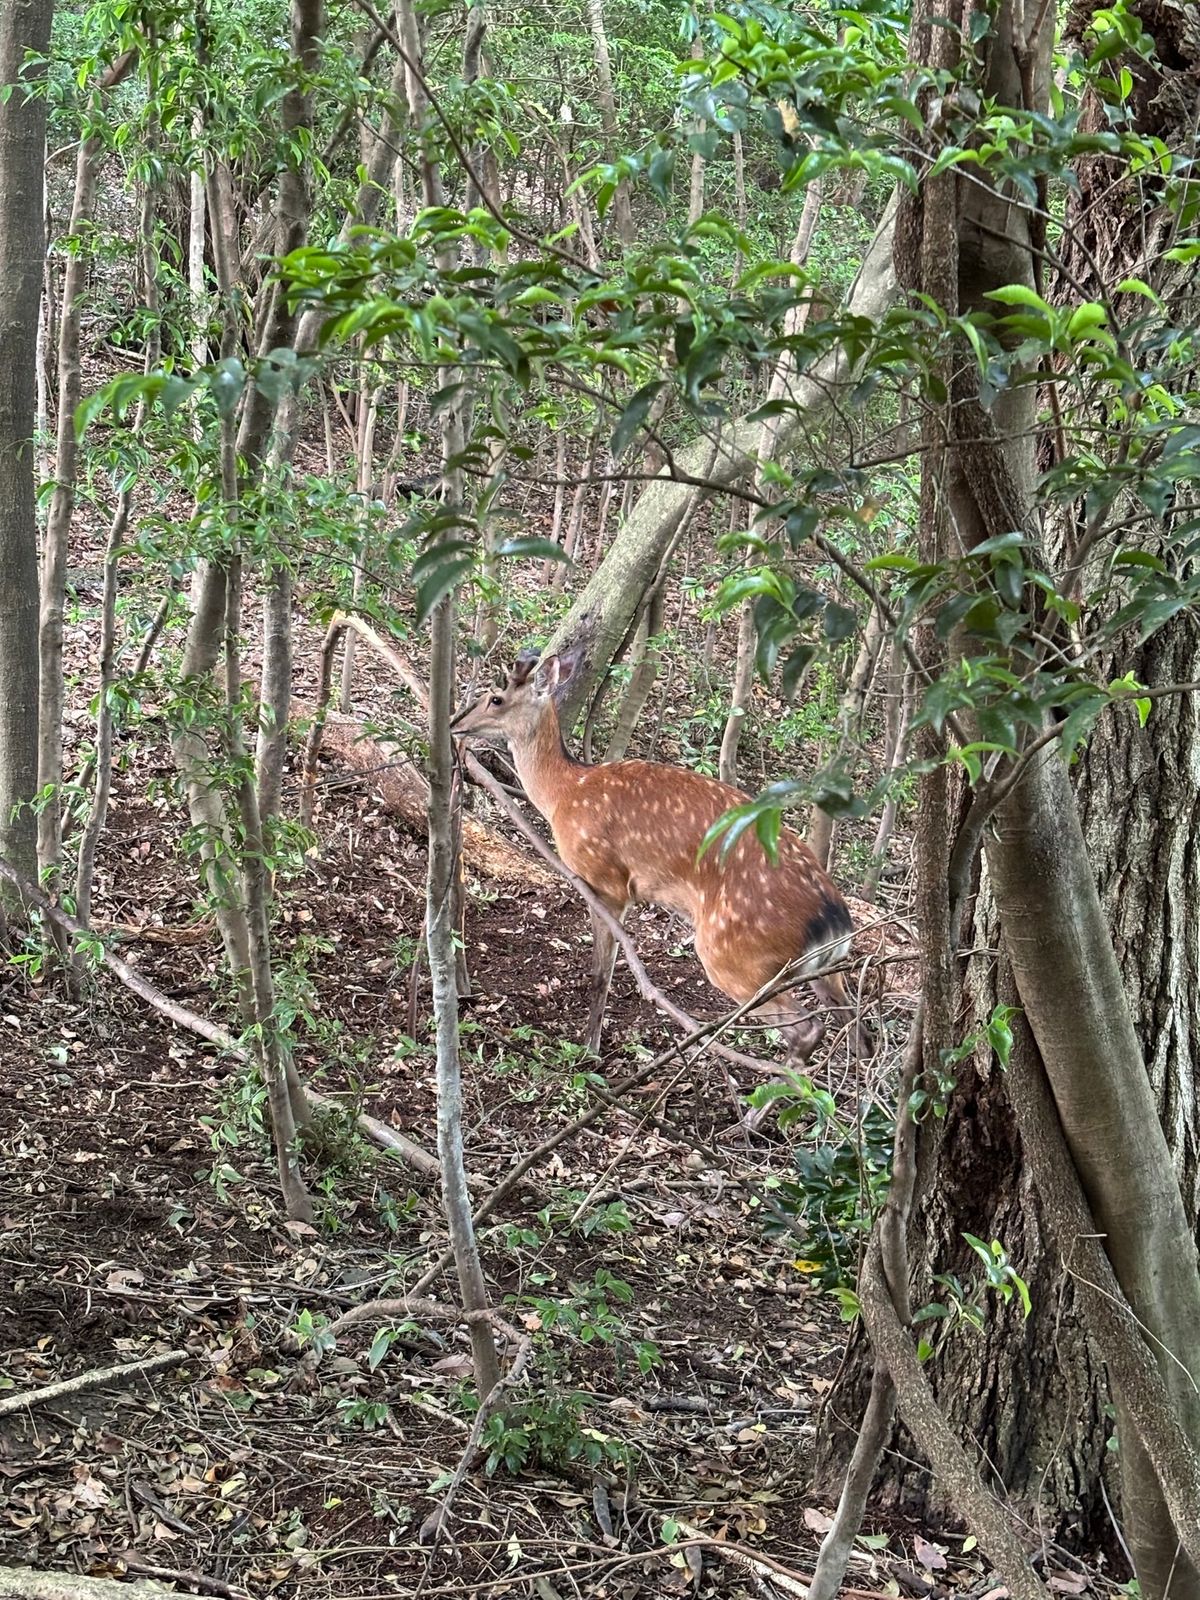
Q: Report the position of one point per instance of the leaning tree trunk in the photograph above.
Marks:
(24, 28)
(605, 608)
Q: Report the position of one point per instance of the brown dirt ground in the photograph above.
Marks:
(117, 1241)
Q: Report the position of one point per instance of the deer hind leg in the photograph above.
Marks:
(801, 1034)
(831, 989)
(604, 957)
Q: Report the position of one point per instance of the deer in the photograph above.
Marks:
(632, 830)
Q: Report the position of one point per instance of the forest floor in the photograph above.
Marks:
(138, 1217)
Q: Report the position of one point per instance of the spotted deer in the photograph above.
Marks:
(632, 831)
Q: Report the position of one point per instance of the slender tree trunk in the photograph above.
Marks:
(442, 870)
(51, 690)
(606, 100)
(739, 698)
(94, 826)
(900, 695)
(364, 474)
(768, 448)
(24, 27)
(197, 286)
(291, 227)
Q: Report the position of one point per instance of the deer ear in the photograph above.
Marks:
(555, 673)
(549, 675)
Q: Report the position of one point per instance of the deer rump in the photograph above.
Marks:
(635, 838)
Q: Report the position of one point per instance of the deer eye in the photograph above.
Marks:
(496, 700)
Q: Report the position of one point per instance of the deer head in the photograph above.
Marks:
(516, 708)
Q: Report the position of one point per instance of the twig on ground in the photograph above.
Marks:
(203, 1582)
(98, 1378)
(436, 1523)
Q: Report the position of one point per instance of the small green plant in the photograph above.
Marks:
(964, 1304)
(366, 1415)
(842, 1174)
(564, 1213)
(385, 1339)
(311, 1332)
(548, 1431)
(997, 1032)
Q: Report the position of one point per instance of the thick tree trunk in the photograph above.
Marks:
(24, 27)
(1139, 788)
(1139, 794)
(1044, 1441)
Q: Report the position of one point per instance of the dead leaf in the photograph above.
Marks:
(817, 1520)
(929, 1555)
(125, 1278)
(1067, 1582)
(456, 1366)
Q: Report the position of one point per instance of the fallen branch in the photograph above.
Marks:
(202, 1582)
(83, 1382)
(23, 1583)
(184, 1017)
(402, 786)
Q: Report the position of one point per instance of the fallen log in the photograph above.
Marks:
(403, 791)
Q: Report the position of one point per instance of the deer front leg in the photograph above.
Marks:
(604, 956)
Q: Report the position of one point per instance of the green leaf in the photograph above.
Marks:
(839, 622)
(661, 171)
(1086, 319)
(380, 1346)
(999, 1032)
(175, 391)
(445, 569)
(533, 550)
(893, 561)
(792, 673)
(226, 381)
(767, 827)
(634, 415)
(1139, 286)
(1018, 294)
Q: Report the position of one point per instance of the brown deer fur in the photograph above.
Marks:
(632, 831)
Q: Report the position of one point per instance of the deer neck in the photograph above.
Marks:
(545, 769)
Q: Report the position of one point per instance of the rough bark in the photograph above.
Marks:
(24, 26)
(1070, 987)
(1139, 788)
(1027, 1390)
